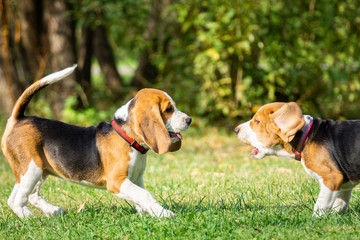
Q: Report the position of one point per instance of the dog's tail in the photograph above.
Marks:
(24, 99)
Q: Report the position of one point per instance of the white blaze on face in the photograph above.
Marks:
(247, 135)
(177, 122)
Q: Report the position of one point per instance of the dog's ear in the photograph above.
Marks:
(150, 126)
(287, 120)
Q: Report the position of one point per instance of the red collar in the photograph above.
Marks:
(305, 131)
(128, 139)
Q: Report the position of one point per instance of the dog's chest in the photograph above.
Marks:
(137, 165)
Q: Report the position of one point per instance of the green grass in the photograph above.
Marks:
(215, 189)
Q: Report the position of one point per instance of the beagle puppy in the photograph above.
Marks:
(110, 155)
(328, 150)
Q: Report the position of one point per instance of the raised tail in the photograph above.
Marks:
(24, 99)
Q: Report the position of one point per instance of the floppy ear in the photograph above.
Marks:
(287, 120)
(151, 127)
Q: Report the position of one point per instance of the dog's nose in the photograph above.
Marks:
(188, 120)
(237, 130)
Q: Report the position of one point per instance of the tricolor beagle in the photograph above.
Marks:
(109, 155)
(328, 150)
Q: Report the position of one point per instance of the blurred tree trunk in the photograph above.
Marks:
(146, 72)
(62, 45)
(106, 59)
(236, 73)
(32, 48)
(10, 86)
(35, 34)
(85, 56)
(157, 35)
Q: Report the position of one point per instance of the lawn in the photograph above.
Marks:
(215, 189)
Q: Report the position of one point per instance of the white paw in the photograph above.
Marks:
(22, 212)
(316, 215)
(321, 212)
(167, 213)
(55, 211)
(140, 211)
(159, 211)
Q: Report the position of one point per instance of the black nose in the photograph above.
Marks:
(188, 120)
(237, 130)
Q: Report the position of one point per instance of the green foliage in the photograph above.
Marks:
(221, 59)
(85, 117)
(125, 20)
(234, 55)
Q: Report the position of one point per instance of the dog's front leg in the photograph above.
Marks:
(140, 183)
(143, 199)
(342, 201)
(325, 201)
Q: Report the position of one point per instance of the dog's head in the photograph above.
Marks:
(273, 125)
(155, 120)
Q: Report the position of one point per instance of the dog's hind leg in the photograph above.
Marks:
(11, 199)
(38, 201)
(325, 201)
(19, 196)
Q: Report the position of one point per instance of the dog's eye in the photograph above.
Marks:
(169, 109)
(257, 121)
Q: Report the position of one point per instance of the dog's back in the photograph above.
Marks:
(7, 142)
(342, 140)
(22, 144)
(73, 147)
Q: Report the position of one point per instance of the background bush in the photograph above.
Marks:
(222, 59)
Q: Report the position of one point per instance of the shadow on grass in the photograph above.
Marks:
(235, 205)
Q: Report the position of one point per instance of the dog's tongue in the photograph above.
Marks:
(178, 135)
(255, 151)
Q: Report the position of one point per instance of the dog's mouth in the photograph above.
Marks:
(176, 141)
(256, 153)
(175, 136)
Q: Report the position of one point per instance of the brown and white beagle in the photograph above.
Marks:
(109, 155)
(328, 150)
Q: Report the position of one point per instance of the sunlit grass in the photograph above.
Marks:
(211, 184)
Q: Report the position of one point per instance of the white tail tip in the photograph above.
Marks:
(56, 76)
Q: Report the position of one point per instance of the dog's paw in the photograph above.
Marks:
(160, 212)
(140, 211)
(167, 213)
(22, 212)
(55, 211)
(316, 215)
(322, 212)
